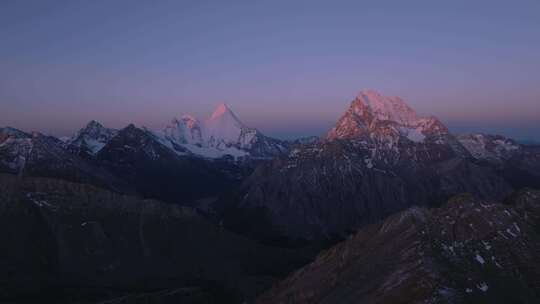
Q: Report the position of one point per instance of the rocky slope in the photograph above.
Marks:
(468, 251)
(65, 242)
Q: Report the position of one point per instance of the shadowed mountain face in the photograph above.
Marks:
(380, 158)
(39, 155)
(63, 241)
(136, 156)
(467, 251)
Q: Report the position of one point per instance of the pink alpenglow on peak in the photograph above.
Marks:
(221, 134)
(373, 115)
(391, 108)
(223, 125)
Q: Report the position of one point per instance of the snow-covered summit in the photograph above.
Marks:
(223, 127)
(372, 115)
(223, 133)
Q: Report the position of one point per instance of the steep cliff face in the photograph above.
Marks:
(468, 251)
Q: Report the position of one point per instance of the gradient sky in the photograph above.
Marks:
(289, 68)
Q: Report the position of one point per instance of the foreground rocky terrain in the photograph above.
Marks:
(64, 242)
(467, 251)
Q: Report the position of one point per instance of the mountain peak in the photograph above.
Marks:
(224, 125)
(92, 137)
(94, 123)
(371, 114)
(225, 115)
(369, 92)
(224, 112)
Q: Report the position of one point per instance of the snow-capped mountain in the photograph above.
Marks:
(90, 139)
(186, 130)
(372, 115)
(225, 129)
(220, 135)
(35, 154)
(381, 157)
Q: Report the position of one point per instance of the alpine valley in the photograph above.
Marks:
(388, 207)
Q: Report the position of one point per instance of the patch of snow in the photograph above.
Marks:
(517, 227)
(511, 233)
(413, 134)
(482, 286)
(480, 259)
(369, 163)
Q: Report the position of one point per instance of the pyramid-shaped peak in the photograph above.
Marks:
(224, 112)
(221, 109)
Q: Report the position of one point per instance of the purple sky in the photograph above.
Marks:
(289, 68)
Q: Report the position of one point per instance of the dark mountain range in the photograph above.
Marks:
(40, 155)
(65, 241)
(131, 160)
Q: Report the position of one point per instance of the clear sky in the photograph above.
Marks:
(289, 68)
